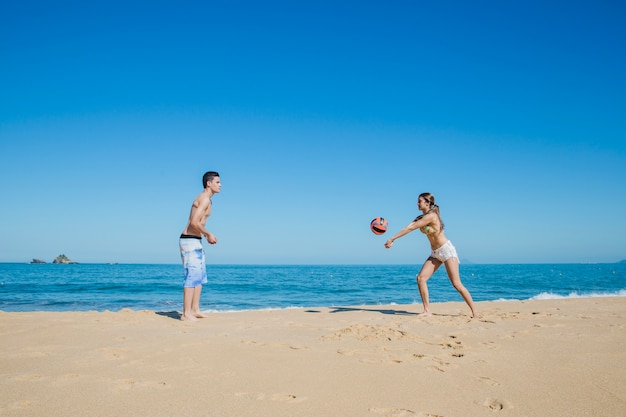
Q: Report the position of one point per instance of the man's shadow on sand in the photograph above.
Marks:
(171, 314)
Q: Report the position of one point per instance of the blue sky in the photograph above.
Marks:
(319, 116)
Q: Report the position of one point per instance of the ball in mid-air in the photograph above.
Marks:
(379, 225)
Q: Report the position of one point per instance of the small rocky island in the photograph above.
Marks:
(61, 259)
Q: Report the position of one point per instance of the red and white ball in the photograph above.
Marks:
(379, 226)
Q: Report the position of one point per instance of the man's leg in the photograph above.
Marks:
(188, 299)
(195, 307)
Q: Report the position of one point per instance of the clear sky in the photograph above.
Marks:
(319, 116)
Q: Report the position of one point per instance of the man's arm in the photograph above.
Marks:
(199, 215)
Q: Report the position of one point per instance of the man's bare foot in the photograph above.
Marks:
(200, 315)
(425, 314)
(184, 317)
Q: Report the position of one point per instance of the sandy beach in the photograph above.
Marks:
(532, 358)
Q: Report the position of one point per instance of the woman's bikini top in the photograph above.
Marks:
(427, 230)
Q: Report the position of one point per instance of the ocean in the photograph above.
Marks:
(100, 287)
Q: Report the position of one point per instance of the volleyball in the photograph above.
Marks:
(379, 226)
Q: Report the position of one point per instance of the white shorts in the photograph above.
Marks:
(444, 252)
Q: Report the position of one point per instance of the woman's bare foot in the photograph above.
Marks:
(200, 315)
(426, 314)
(184, 317)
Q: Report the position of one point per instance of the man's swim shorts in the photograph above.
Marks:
(192, 255)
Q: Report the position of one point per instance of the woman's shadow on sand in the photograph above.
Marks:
(380, 310)
(373, 310)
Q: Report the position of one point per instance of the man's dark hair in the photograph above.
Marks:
(208, 177)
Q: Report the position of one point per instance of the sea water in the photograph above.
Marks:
(83, 287)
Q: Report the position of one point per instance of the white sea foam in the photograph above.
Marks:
(552, 296)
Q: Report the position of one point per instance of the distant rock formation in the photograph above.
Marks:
(62, 259)
(37, 261)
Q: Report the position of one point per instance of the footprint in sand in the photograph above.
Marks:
(261, 396)
(511, 315)
(436, 368)
(488, 380)
(400, 412)
(441, 365)
(360, 354)
(255, 343)
(288, 398)
(30, 377)
(376, 356)
(114, 354)
(392, 412)
(69, 377)
(512, 335)
(366, 333)
(454, 345)
(128, 384)
(18, 405)
(489, 344)
(494, 405)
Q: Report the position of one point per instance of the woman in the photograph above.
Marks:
(443, 252)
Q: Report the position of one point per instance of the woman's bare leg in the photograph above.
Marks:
(428, 269)
(452, 268)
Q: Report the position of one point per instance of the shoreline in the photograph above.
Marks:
(557, 357)
(544, 296)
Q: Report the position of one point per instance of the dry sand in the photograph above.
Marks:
(534, 358)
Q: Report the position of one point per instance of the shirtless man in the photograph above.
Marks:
(443, 252)
(191, 250)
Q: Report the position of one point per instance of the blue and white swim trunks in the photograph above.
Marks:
(192, 255)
